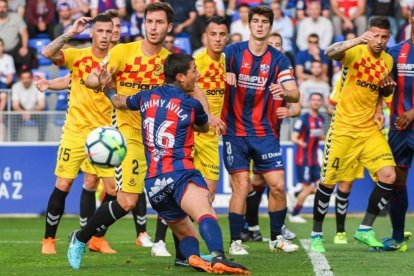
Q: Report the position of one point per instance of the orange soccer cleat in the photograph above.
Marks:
(48, 246)
(100, 245)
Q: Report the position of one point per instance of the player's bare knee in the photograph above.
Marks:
(64, 184)
(90, 182)
(127, 201)
(387, 175)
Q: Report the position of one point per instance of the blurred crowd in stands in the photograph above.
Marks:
(306, 28)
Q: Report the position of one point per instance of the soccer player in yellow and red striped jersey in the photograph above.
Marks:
(211, 67)
(88, 109)
(354, 135)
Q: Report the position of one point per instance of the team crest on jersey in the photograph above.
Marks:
(158, 70)
(264, 68)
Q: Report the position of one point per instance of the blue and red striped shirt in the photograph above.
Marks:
(403, 74)
(310, 131)
(168, 115)
(249, 108)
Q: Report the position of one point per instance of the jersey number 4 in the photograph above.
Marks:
(160, 136)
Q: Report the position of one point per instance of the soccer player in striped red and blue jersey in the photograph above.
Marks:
(260, 78)
(176, 190)
(401, 135)
(308, 131)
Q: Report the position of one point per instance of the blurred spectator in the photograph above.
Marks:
(139, 37)
(204, 42)
(305, 58)
(276, 41)
(65, 19)
(282, 25)
(26, 98)
(79, 8)
(13, 31)
(219, 6)
(406, 7)
(3, 104)
(7, 69)
(99, 6)
(349, 15)
(184, 14)
(17, 6)
(40, 16)
(241, 25)
(137, 18)
(302, 5)
(169, 44)
(314, 23)
(232, 4)
(235, 37)
(199, 26)
(314, 84)
(385, 8)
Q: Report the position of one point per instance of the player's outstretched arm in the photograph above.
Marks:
(337, 50)
(118, 101)
(52, 50)
(57, 84)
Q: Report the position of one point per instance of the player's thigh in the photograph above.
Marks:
(206, 157)
(236, 156)
(130, 175)
(376, 154)
(402, 147)
(340, 153)
(70, 155)
(266, 154)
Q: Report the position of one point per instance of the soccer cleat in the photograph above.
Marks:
(181, 263)
(237, 248)
(367, 236)
(287, 234)
(199, 264)
(100, 245)
(281, 244)
(206, 258)
(48, 246)
(340, 238)
(159, 249)
(251, 236)
(296, 219)
(75, 251)
(392, 245)
(407, 235)
(144, 240)
(316, 244)
(222, 265)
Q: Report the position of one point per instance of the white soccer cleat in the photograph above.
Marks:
(237, 248)
(287, 233)
(144, 240)
(296, 219)
(159, 249)
(282, 244)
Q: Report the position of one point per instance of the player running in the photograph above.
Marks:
(401, 136)
(175, 188)
(78, 124)
(354, 136)
(255, 71)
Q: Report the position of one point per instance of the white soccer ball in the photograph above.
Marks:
(105, 147)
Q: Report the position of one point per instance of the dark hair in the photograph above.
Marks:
(209, 1)
(243, 5)
(219, 20)
(380, 22)
(316, 93)
(313, 35)
(23, 71)
(262, 10)
(161, 6)
(102, 17)
(112, 13)
(176, 64)
(277, 35)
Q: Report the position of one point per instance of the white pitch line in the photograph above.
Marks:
(320, 264)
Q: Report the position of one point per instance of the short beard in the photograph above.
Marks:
(3, 15)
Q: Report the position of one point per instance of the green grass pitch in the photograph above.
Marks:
(20, 245)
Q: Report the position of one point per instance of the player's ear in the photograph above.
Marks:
(91, 32)
(170, 27)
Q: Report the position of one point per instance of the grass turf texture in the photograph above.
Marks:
(20, 246)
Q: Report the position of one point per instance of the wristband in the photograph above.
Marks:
(110, 94)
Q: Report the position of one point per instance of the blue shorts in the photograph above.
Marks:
(264, 151)
(166, 191)
(402, 146)
(308, 174)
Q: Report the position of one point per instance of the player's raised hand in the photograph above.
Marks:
(365, 37)
(277, 90)
(105, 76)
(42, 84)
(282, 112)
(231, 79)
(217, 124)
(405, 119)
(388, 82)
(80, 25)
